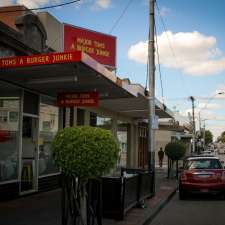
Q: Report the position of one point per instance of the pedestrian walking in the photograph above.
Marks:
(161, 156)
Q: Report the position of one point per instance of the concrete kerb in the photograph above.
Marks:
(159, 207)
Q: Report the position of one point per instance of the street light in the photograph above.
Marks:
(193, 122)
(205, 106)
(212, 97)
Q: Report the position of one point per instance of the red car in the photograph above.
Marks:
(4, 135)
(203, 174)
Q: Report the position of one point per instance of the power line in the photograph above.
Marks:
(160, 74)
(120, 17)
(147, 69)
(40, 8)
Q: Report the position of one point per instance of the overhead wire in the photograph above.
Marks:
(41, 8)
(147, 69)
(159, 67)
(120, 17)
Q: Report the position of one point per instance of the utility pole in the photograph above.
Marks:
(199, 120)
(204, 136)
(193, 121)
(151, 75)
(200, 131)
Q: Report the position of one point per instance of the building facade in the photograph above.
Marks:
(31, 76)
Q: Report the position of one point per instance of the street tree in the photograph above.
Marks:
(83, 153)
(208, 137)
(221, 137)
(174, 151)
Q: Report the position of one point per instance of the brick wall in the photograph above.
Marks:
(9, 18)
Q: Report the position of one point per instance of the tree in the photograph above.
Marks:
(82, 153)
(221, 137)
(175, 151)
(208, 137)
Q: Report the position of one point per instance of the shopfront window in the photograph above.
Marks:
(6, 52)
(100, 121)
(9, 136)
(122, 132)
(48, 126)
(104, 122)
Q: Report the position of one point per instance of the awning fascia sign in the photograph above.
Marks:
(75, 99)
(41, 59)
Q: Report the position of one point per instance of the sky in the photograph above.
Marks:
(190, 37)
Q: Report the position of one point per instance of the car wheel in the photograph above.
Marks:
(182, 194)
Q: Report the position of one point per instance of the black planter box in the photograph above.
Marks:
(145, 182)
(119, 194)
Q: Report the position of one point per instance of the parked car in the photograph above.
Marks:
(207, 152)
(202, 174)
(221, 151)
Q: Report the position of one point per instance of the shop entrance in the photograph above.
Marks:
(29, 154)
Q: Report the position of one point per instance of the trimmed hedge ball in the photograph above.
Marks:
(84, 151)
(175, 150)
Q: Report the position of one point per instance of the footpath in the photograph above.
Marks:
(164, 191)
(45, 209)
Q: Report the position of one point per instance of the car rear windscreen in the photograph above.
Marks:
(203, 164)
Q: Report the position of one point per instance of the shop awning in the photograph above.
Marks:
(136, 107)
(53, 73)
(62, 72)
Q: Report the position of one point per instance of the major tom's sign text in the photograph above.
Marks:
(99, 46)
(73, 99)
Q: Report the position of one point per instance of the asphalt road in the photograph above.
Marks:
(196, 210)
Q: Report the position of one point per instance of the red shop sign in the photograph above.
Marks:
(41, 59)
(73, 99)
(99, 46)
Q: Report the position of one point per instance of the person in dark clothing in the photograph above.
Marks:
(161, 156)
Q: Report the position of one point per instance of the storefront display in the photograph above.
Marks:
(48, 127)
(122, 136)
(9, 125)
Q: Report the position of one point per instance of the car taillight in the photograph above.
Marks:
(183, 177)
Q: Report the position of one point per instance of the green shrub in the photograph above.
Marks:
(175, 150)
(84, 151)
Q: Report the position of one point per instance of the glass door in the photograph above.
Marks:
(29, 154)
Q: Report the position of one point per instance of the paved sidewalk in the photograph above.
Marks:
(165, 189)
(44, 208)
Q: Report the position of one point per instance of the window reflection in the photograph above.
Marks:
(48, 128)
(6, 52)
(122, 138)
(104, 122)
(9, 122)
(100, 121)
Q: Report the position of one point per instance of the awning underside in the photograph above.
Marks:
(79, 77)
(134, 107)
(55, 78)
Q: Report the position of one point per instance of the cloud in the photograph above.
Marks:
(205, 110)
(192, 52)
(164, 11)
(138, 52)
(34, 3)
(6, 2)
(216, 129)
(219, 93)
(209, 106)
(96, 4)
(102, 4)
(206, 117)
